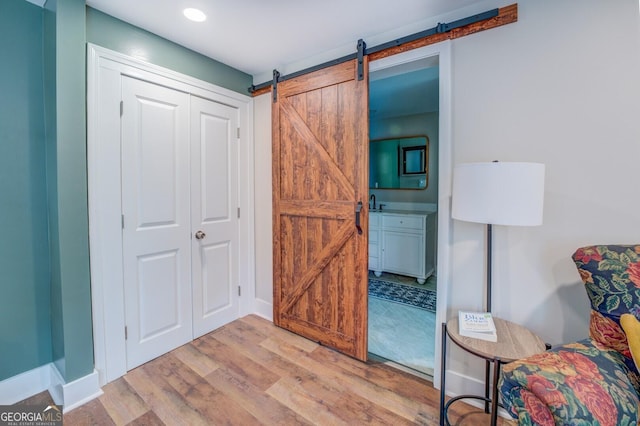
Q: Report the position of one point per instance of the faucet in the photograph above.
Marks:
(373, 198)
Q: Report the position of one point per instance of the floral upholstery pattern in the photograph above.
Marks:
(611, 275)
(582, 383)
(593, 381)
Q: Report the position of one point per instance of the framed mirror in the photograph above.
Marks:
(399, 163)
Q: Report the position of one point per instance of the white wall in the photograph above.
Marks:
(562, 87)
(264, 211)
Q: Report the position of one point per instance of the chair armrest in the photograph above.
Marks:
(576, 383)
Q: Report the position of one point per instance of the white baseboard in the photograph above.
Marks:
(24, 385)
(55, 386)
(47, 378)
(263, 309)
(81, 391)
(459, 384)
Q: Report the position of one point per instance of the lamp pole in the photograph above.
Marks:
(489, 262)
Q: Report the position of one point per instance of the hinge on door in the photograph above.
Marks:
(126, 335)
(238, 212)
(239, 291)
(238, 133)
(121, 108)
(122, 221)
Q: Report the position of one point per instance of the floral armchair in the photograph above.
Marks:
(593, 381)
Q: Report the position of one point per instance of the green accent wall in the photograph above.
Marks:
(50, 118)
(74, 355)
(107, 31)
(45, 309)
(25, 333)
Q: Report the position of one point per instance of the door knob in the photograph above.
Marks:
(200, 235)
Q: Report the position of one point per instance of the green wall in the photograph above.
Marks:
(44, 248)
(418, 124)
(71, 282)
(109, 32)
(25, 334)
(50, 118)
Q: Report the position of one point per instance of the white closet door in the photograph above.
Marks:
(156, 209)
(214, 214)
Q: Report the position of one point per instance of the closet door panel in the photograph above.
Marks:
(156, 222)
(214, 214)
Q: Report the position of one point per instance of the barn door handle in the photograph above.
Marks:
(358, 209)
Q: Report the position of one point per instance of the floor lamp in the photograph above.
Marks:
(498, 193)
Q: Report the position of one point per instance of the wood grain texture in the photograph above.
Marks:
(266, 375)
(514, 341)
(320, 172)
(506, 15)
(261, 91)
(122, 403)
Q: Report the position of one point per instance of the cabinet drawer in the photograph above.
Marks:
(402, 221)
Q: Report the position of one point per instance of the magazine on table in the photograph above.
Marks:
(478, 325)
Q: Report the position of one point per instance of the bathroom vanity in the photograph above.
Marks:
(402, 242)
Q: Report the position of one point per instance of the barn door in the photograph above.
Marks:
(320, 177)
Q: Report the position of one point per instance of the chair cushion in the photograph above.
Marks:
(582, 383)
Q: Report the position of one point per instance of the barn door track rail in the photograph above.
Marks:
(443, 31)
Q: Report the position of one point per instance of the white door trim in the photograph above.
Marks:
(104, 68)
(445, 170)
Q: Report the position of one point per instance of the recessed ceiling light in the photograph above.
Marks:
(195, 15)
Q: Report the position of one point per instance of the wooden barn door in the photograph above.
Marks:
(320, 175)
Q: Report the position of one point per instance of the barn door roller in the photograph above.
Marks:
(361, 48)
(276, 77)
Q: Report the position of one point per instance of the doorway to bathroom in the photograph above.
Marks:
(404, 124)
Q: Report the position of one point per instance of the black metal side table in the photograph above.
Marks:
(514, 342)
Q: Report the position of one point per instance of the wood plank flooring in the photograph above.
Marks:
(250, 372)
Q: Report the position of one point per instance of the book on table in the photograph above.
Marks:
(478, 325)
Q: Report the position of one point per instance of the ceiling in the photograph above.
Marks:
(257, 36)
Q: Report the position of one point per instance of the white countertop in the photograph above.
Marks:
(402, 211)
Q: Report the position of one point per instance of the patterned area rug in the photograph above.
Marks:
(408, 295)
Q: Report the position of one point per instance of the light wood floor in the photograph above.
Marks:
(250, 372)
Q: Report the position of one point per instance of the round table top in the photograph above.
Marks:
(514, 341)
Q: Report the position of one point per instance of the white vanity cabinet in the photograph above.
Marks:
(402, 243)
(375, 263)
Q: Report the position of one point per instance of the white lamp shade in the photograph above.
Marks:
(498, 193)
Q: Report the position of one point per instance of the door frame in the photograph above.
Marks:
(445, 173)
(104, 69)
